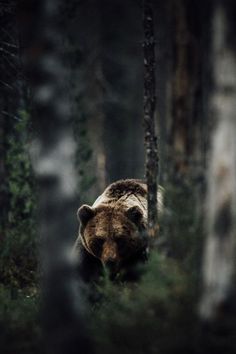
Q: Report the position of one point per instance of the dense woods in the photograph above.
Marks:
(97, 91)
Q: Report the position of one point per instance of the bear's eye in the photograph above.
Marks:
(96, 245)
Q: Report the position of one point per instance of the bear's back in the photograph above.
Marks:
(126, 187)
(125, 193)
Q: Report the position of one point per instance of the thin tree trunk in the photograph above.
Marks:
(220, 249)
(149, 121)
(52, 156)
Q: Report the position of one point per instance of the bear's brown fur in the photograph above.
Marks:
(111, 229)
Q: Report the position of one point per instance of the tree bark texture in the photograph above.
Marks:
(53, 153)
(149, 119)
(220, 249)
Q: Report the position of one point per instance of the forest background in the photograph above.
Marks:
(98, 64)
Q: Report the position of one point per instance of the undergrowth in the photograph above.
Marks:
(19, 321)
(19, 325)
(141, 318)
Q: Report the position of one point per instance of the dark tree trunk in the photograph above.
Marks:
(95, 87)
(188, 123)
(149, 120)
(122, 69)
(52, 157)
(182, 105)
(95, 94)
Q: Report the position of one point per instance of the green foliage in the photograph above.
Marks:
(155, 315)
(19, 322)
(18, 255)
(19, 325)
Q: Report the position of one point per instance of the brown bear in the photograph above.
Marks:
(111, 229)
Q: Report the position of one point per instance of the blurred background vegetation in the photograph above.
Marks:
(101, 48)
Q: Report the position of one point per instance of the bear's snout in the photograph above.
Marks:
(110, 253)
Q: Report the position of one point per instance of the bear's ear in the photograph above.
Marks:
(135, 214)
(85, 213)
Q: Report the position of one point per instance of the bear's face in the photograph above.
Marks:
(112, 235)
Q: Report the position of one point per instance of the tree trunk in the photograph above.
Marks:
(94, 92)
(52, 157)
(220, 249)
(123, 97)
(186, 133)
(88, 87)
(149, 120)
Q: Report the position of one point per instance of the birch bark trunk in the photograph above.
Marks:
(220, 251)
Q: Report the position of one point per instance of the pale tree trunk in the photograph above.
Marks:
(149, 119)
(220, 249)
(52, 157)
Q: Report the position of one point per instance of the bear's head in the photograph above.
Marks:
(113, 235)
